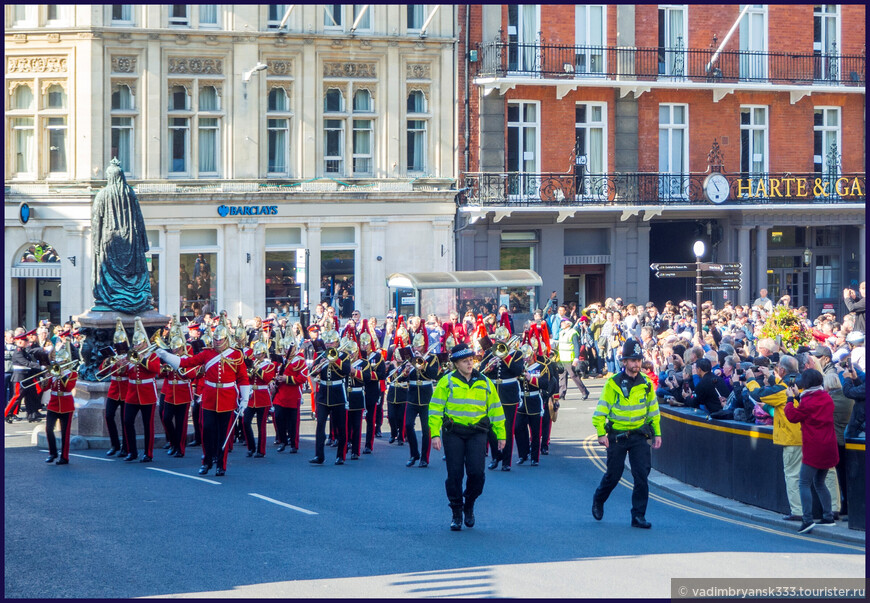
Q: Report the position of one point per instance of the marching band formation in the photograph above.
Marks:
(224, 377)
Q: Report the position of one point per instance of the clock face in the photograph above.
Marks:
(716, 188)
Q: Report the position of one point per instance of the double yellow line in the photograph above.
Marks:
(590, 445)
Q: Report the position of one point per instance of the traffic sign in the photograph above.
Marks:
(677, 274)
(693, 274)
(718, 288)
(689, 266)
(719, 267)
(708, 279)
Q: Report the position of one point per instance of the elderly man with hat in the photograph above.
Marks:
(627, 421)
(855, 341)
(465, 403)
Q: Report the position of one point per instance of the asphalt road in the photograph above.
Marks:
(279, 527)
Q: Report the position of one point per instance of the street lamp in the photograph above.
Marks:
(698, 249)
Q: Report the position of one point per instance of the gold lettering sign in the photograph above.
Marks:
(778, 188)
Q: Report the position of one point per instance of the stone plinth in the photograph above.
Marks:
(89, 418)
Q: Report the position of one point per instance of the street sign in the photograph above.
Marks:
(718, 288)
(693, 274)
(719, 267)
(677, 274)
(709, 279)
(689, 266)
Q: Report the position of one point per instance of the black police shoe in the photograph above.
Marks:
(401, 442)
(378, 434)
(597, 510)
(62, 462)
(493, 464)
(293, 450)
(424, 464)
(412, 461)
(204, 469)
(354, 456)
(339, 461)
(392, 439)
(367, 450)
(534, 463)
(258, 455)
(640, 522)
(522, 460)
(178, 454)
(469, 516)
(318, 460)
(456, 524)
(171, 451)
(330, 442)
(145, 459)
(282, 447)
(131, 457)
(505, 467)
(220, 472)
(112, 452)
(51, 458)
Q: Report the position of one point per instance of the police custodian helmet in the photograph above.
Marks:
(632, 350)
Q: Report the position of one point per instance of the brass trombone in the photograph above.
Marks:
(120, 360)
(331, 356)
(55, 370)
(157, 342)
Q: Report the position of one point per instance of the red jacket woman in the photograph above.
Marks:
(815, 412)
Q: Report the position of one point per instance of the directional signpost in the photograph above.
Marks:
(708, 276)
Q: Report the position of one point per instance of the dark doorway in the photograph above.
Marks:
(671, 242)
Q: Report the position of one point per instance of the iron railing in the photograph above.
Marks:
(513, 189)
(501, 59)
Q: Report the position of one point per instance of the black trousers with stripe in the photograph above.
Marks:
(130, 412)
(175, 422)
(112, 407)
(260, 413)
(51, 419)
(215, 428)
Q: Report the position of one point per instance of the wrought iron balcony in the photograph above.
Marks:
(555, 61)
(512, 189)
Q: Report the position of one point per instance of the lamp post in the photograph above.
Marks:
(698, 249)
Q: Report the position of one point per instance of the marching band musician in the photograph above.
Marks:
(143, 367)
(397, 387)
(356, 403)
(177, 394)
(61, 404)
(117, 392)
(372, 379)
(329, 373)
(288, 399)
(225, 381)
(27, 360)
(196, 339)
(531, 408)
(504, 371)
(420, 385)
(261, 373)
(553, 366)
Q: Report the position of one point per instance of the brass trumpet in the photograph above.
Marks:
(109, 370)
(157, 342)
(331, 356)
(54, 370)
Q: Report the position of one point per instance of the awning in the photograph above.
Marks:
(467, 279)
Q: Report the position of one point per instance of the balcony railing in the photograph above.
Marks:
(513, 189)
(502, 59)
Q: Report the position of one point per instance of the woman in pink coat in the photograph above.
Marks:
(813, 408)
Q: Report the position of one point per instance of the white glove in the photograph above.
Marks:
(170, 359)
(244, 395)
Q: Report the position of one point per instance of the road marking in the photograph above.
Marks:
(283, 504)
(597, 461)
(85, 456)
(201, 479)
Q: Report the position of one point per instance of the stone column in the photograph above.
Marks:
(172, 249)
(643, 271)
(379, 303)
(744, 256)
(313, 243)
(72, 283)
(761, 258)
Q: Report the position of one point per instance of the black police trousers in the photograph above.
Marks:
(465, 453)
(637, 447)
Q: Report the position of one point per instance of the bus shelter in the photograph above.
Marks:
(482, 291)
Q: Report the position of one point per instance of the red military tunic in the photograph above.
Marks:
(290, 392)
(177, 388)
(61, 392)
(221, 377)
(118, 385)
(260, 396)
(142, 380)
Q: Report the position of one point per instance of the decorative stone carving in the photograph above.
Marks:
(350, 70)
(418, 45)
(46, 84)
(211, 39)
(131, 84)
(125, 37)
(36, 65)
(279, 67)
(19, 38)
(418, 71)
(53, 37)
(12, 85)
(186, 84)
(124, 64)
(154, 36)
(181, 39)
(366, 44)
(218, 85)
(371, 88)
(420, 88)
(393, 43)
(196, 65)
(285, 86)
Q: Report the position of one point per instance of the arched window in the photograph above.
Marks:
(56, 98)
(208, 99)
(278, 100)
(178, 99)
(22, 98)
(41, 253)
(334, 101)
(362, 101)
(122, 98)
(416, 102)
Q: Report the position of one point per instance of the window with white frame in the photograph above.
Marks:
(122, 14)
(363, 133)
(333, 131)
(179, 130)
(332, 16)
(195, 118)
(276, 15)
(123, 115)
(416, 16)
(21, 123)
(208, 15)
(278, 117)
(673, 150)
(590, 145)
(753, 43)
(523, 148)
(55, 108)
(208, 123)
(523, 29)
(826, 141)
(590, 36)
(54, 13)
(24, 15)
(753, 141)
(416, 132)
(673, 39)
(179, 15)
(826, 35)
(365, 23)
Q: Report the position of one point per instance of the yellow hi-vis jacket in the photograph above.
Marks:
(627, 410)
(466, 403)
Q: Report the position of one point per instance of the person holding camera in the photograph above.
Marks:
(627, 422)
(815, 414)
(854, 388)
(856, 303)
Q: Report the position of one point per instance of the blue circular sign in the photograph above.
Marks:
(24, 213)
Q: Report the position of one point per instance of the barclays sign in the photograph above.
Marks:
(247, 210)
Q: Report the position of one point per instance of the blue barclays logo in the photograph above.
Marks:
(247, 210)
